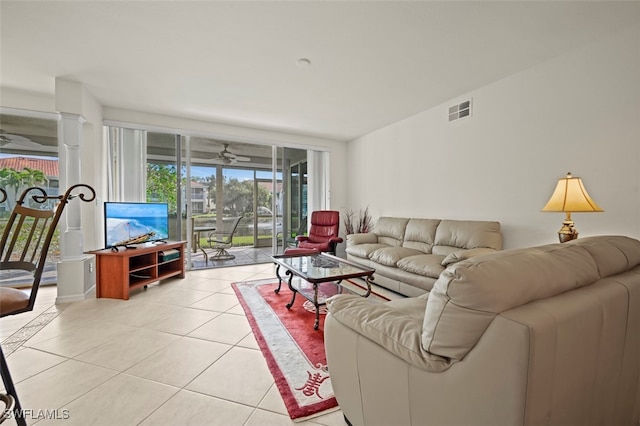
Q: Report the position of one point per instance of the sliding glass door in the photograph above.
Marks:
(292, 196)
(164, 178)
(208, 183)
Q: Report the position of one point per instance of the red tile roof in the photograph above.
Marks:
(48, 167)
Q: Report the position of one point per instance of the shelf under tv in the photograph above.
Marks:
(125, 269)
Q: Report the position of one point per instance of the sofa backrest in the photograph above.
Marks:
(420, 234)
(453, 235)
(390, 230)
(438, 236)
(469, 294)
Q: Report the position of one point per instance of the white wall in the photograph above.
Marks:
(579, 112)
(14, 98)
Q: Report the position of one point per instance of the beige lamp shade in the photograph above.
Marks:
(571, 196)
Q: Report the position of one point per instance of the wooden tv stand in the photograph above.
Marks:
(119, 272)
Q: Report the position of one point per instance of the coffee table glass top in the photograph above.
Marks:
(322, 267)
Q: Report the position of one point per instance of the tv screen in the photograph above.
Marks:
(131, 223)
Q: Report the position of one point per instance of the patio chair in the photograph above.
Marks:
(220, 241)
(24, 247)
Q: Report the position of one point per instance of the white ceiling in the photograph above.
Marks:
(372, 63)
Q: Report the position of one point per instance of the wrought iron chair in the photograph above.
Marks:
(24, 247)
(221, 240)
(6, 399)
(8, 402)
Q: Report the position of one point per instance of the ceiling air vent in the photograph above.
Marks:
(461, 110)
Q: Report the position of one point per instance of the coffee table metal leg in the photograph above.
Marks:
(368, 281)
(293, 290)
(315, 303)
(277, 290)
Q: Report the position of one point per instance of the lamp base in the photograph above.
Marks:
(568, 232)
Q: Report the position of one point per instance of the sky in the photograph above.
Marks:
(203, 172)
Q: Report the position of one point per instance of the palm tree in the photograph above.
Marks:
(17, 181)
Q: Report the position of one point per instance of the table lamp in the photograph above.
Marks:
(570, 196)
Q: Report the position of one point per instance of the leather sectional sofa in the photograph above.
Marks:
(543, 335)
(409, 254)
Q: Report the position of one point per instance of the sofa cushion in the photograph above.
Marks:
(469, 294)
(390, 230)
(364, 250)
(427, 265)
(392, 325)
(452, 235)
(362, 238)
(399, 280)
(420, 234)
(390, 256)
(463, 254)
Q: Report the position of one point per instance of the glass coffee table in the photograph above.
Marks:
(321, 275)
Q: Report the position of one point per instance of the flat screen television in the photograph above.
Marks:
(132, 223)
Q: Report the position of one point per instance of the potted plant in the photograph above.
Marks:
(358, 225)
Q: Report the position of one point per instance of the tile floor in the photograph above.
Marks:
(179, 353)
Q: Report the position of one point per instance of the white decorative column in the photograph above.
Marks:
(70, 135)
(76, 270)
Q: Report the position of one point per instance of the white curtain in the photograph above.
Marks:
(126, 169)
(318, 181)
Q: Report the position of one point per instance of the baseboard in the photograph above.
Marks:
(90, 293)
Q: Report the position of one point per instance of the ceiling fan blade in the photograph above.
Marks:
(228, 157)
(17, 140)
(221, 160)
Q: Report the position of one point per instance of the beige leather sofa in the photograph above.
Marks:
(547, 335)
(409, 254)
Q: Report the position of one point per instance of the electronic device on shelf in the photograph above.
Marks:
(134, 224)
(140, 245)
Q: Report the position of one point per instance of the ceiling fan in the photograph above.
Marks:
(227, 157)
(9, 139)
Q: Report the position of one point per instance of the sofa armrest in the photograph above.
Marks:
(302, 238)
(395, 325)
(364, 238)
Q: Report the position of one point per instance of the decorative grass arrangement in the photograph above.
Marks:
(357, 225)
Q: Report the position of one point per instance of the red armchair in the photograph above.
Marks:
(323, 233)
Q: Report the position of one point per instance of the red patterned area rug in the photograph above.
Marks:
(293, 349)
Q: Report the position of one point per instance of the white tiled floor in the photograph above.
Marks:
(179, 353)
